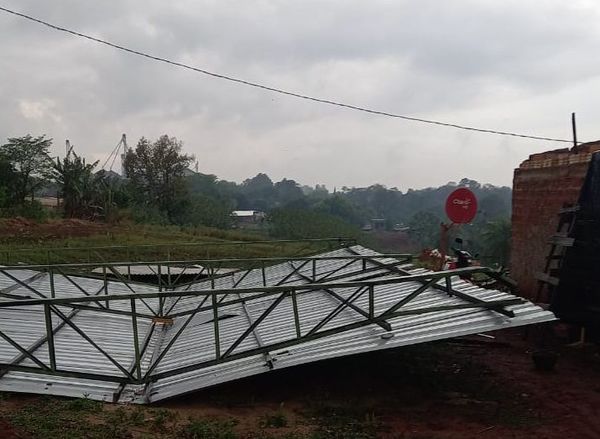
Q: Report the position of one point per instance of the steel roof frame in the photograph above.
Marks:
(210, 265)
(131, 249)
(132, 374)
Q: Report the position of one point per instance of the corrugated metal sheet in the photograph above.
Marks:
(26, 326)
(196, 344)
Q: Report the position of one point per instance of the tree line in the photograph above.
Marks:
(159, 187)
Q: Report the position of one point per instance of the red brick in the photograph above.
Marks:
(541, 186)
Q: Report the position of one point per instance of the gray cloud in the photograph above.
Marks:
(516, 66)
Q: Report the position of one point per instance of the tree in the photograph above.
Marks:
(207, 211)
(156, 171)
(496, 240)
(287, 191)
(472, 184)
(340, 207)
(8, 183)
(78, 184)
(425, 228)
(205, 184)
(258, 193)
(29, 157)
(259, 184)
(493, 206)
(304, 223)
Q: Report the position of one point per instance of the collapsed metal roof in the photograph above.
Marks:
(62, 334)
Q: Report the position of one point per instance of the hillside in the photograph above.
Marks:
(354, 205)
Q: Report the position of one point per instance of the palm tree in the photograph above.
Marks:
(78, 183)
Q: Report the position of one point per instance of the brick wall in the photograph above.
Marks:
(541, 185)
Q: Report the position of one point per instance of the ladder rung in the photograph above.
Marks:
(571, 209)
(543, 277)
(562, 241)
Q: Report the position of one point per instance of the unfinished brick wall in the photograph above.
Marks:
(541, 185)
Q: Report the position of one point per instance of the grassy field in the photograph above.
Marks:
(74, 241)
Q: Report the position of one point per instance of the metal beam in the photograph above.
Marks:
(327, 333)
(448, 288)
(6, 291)
(341, 242)
(24, 351)
(174, 338)
(91, 342)
(385, 325)
(37, 344)
(263, 291)
(224, 261)
(345, 303)
(257, 337)
(255, 324)
(22, 283)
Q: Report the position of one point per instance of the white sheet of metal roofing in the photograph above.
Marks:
(26, 326)
(197, 343)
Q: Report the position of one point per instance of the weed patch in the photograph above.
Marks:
(274, 420)
(343, 421)
(209, 428)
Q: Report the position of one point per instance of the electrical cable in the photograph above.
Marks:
(278, 90)
(114, 151)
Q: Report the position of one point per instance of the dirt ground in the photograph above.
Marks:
(28, 230)
(468, 388)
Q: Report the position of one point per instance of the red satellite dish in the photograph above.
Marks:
(461, 206)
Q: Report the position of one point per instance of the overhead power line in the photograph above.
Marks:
(278, 90)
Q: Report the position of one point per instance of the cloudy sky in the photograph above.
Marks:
(520, 66)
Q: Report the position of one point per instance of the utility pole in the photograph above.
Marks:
(574, 125)
(125, 149)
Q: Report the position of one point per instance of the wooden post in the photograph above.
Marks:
(444, 229)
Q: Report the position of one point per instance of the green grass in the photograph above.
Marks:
(58, 418)
(277, 419)
(48, 417)
(209, 428)
(149, 243)
(343, 420)
(52, 417)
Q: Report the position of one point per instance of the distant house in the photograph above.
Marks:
(49, 202)
(378, 223)
(374, 224)
(247, 218)
(400, 228)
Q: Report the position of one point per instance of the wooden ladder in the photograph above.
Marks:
(548, 280)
